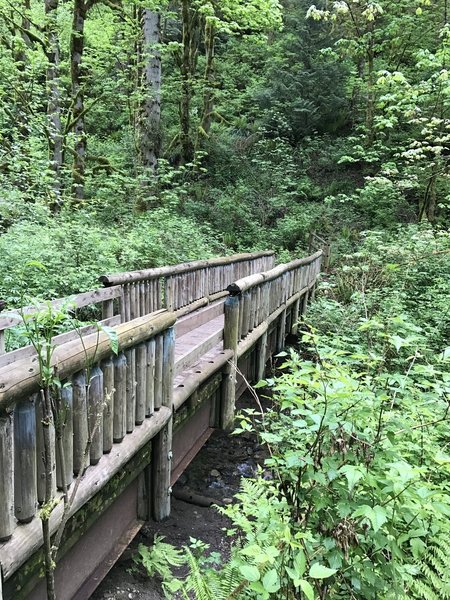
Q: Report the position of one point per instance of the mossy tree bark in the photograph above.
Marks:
(54, 127)
(150, 123)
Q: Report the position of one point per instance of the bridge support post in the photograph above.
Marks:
(261, 356)
(295, 316)
(161, 471)
(6, 469)
(281, 331)
(162, 443)
(230, 342)
(304, 304)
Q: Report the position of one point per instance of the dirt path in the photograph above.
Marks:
(215, 473)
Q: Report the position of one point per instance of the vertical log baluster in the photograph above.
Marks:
(141, 382)
(64, 476)
(150, 378)
(158, 371)
(96, 414)
(6, 469)
(120, 397)
(80, 420)
(25, 483)
(131, 389)
(107, 367)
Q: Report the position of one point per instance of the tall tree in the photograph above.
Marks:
(150, 135)
(77, 39)
(202, 22)
(55, 135)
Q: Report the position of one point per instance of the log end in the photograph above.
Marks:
(234, 289)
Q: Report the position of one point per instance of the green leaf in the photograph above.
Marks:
(376, 515)
(397, 341)
(262, 383)
(300, 562)
(307, 589)
(250, 572)
(37, 265)
(353, 475)
(418, 547)
(113, 337)
(271, 581)
(318, 571)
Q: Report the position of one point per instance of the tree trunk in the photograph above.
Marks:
(370, 109)
(22, 100)
(80, 9)
(55, 137)
(208, 99)
(151, 118)
(186, 84)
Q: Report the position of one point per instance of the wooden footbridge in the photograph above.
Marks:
(188, 337)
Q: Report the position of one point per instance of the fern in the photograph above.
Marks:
(160, 558)
(202, 583)
(432, 581)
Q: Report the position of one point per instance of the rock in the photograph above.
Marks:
(216, 485)
(182, 479)
(245, 470)
(227, 500)
(215, 473)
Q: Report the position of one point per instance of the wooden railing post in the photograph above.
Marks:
(230, 342)
(25, 481)
(64, 476)
(95, 408)
(6, 469)
(326, 256)
(120, 398)
(162, 442)
(80, 423)
(108, 411)
(261, 356)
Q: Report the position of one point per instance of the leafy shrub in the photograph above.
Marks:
(76, 250)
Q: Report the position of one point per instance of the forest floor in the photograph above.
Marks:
(215, 473)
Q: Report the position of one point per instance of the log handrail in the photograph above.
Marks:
(23, 377)
(254, 303)
(246, 283)
(137, 293)
(187, 267)
(315, 242)
(77, 301)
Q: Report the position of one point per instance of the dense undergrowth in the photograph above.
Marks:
(338, 122)
(359, 450)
